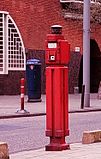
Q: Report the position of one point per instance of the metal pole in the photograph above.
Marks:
(86, 51)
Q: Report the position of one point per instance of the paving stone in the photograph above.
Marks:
(4, 154)
(77, 151)
(91, 136)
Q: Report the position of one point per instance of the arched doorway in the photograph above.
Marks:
(95, 68)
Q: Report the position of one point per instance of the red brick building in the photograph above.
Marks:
(32, 20)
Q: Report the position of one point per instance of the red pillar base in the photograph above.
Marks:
(57, 144)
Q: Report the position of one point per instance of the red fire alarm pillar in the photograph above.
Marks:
(57, 58)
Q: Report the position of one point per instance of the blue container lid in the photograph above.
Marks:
(33, 62)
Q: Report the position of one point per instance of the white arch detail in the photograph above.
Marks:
(12, 53)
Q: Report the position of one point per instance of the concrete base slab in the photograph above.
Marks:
(4, 154)
(91, 136)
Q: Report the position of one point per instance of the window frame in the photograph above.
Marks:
(5, 44)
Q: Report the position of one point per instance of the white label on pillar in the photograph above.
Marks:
(77, 49)
(52, 45)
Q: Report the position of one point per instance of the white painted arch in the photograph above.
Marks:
(12, 50)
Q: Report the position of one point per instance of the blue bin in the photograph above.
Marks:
(33, 77)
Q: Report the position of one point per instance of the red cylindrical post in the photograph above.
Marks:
(22, 93)
(57, 108)
(57, 58)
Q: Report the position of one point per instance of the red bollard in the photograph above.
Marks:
(22, 93)
(22, 90)
(57, 57)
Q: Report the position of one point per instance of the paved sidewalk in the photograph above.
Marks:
(77, 151)
(10, 104)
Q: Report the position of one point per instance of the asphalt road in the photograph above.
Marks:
(29, 133)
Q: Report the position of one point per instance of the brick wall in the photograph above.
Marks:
(34, 19)
(10, 84)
